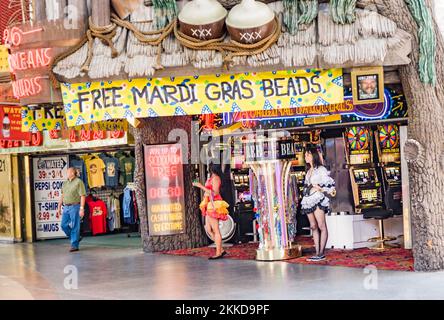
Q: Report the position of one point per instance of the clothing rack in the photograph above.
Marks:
(132, 186)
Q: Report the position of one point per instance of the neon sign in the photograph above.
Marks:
(14, 36)
(31, 59)
(27, 87)
(25, 60)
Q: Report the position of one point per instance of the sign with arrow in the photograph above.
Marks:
(49, 175)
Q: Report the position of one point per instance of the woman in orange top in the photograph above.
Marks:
(214, 208)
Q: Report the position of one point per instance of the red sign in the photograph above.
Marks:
(165, 189)
(11, 124)
(36, 141)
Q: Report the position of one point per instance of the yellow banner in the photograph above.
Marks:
(41, 118)
(157, 97)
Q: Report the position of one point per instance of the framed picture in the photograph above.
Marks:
(368, 85)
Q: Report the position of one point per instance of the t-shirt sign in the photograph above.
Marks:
(164, 189)
(49, 175)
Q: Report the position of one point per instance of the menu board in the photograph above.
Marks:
(164, 189)
(49, 175)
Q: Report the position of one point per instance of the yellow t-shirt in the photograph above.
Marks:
(95, 168)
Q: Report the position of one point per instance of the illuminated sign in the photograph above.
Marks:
(31, 59)
(14, 36)
(27, 87)
(25, 60)
(164, 189)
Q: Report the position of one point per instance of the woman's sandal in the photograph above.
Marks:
(219, 256)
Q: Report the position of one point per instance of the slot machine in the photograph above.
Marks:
(366, 186)
(389, 157)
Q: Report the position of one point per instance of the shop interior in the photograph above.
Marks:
(365, 162)
(111, 213)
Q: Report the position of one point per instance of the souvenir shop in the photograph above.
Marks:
(108, 175)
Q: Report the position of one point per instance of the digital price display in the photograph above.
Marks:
(165, 189)
(49, 175)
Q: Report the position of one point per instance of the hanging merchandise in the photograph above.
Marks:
(80, 167)
(129, 205)
(111, 171)
(113, 217)
(95, 168)
(97, 214)
(127, 166)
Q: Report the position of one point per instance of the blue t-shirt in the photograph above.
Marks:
(80, 167)
(111, 171)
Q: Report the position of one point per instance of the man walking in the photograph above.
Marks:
(73, 200)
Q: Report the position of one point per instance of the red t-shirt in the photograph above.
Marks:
(97, 216)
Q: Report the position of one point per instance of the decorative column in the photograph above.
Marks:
(271, 175)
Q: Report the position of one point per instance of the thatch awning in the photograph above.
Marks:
(371, 40)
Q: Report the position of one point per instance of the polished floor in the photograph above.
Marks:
(46, 270)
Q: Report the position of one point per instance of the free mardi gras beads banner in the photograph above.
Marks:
(156, 97)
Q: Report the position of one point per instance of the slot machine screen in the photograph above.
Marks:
(358, 139)
(389, 143)
(369, 195)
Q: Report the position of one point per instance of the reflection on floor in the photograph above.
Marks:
(118, 240)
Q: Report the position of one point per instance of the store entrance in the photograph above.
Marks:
(111, 214)
(364, 161)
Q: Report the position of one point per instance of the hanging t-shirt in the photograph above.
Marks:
(113, 217)
(95, 168)
(79, 165)
(127, 166)
(98, 213)
(111, 171)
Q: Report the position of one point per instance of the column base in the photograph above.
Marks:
(279, 254)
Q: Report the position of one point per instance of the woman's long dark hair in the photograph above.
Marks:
(317, 162)
(215, 169)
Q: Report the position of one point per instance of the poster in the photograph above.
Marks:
(6, 212)
(49, 175)
(206, 94)
(165, 189)
(11, 124)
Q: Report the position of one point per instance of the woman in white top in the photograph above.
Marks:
(315, 203)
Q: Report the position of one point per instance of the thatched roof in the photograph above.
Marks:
(371, 40)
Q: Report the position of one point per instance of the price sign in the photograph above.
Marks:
(49, 175)
(164, 189)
